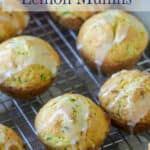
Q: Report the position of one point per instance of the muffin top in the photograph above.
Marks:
(75, 10)
(21, 52)
(126, 96)
(112, 37)
(11, 22)
(67, 122)
(9, 139)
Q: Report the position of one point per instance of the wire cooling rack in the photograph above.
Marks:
(74, 76)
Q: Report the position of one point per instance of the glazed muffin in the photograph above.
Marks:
(72, 16)
(9, 140)
(12, 23)
(28, 66)
(112, 40)
(72, 121)
(126, 97)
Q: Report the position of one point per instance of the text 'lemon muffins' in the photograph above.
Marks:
(28, 66)
(9, 140)
(71, 121)
(12, 23)
(73, 15)
(112, 40)
(126, 97)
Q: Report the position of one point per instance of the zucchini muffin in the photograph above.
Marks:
(72, 16)
(12, 23)
(72, 121)
(28, 66)
(9, 140)
(112, 40)
(126, 97)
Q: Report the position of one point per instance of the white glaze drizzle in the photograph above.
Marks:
(139, 110)
(116, 74)
(53, 118)
(106, 93)
(121, 33)
(63, 111)
(79, 46)
(107, 41)
(136, 111)
(2, 136)
(129, 88)
(105, 46)
(12, 61)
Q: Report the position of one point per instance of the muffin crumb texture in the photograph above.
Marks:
(112, 40)
(126, 97)
(9, 140)
(12, 23)
(71, 121)
(28, 66)
(74, 15)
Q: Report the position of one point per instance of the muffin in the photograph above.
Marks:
(9, 140)
(12, 23)
(112, 40)
(28, 66)
(72, 121)
(126, 97)
(72, 16)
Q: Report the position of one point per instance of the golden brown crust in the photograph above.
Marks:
(73, 16)
(8, 26)
(96, 129)
(107, 67)
(121, 53)
(34, 78)
(98, 123)
(10, 139)
(68, 22)
(139, 127)
(125, 96)
(26, 93)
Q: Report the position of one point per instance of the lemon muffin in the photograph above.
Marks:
(126, 97)
(72, 121)
(28, 66)
(112, 40)
(72, 16)
(9, 140)
(12, 23)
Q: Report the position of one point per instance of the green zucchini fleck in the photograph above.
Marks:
(42, 77)
(118, 112)
(66, 13)
(72, 99)
(121, 80)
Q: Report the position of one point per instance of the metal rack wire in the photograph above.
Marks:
(80, 79)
